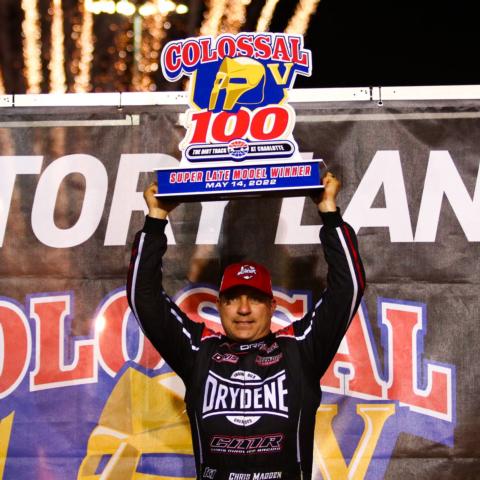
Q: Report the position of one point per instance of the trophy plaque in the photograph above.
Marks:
(239, 126)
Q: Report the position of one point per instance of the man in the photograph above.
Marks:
(251, 394)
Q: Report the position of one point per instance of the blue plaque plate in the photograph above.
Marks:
(252, 180)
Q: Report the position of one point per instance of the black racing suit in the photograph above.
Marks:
(251, 405)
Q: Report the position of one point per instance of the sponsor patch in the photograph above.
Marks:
(249, 346)
(258, 444)
(209, 473)
(225, 358)
(244, 397)
(269, 348)
(269, 360)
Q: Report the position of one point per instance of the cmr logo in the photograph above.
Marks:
(250, 445)
(239, 85)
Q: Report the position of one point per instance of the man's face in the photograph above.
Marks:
(246, 313)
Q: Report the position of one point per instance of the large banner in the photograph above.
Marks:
(84, 395)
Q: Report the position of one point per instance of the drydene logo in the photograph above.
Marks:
(245, 397)
(238, 90)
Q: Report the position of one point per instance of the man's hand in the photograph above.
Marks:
(326, 201)
(157, 208)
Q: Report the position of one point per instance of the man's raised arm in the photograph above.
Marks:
(170, 331)
(320, 332)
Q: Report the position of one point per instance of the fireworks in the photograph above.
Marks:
(116, 44)
(31, 46)
(301, 18)
(149, 45)
(266, 15)
(235, 15)
(57, 61)
(213, 17)
(2, 86)
(85, 45)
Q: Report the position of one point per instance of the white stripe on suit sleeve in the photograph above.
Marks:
(134, 281)
(184, 330)
(309, 328)
(135, 272)
(352, 270)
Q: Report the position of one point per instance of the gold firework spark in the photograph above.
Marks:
(213, 17)
(301, 18)
(85, 43)
(124, 48)
(153, 34)
(57, 61)
(266, 15)
(235, 15)
(31, 46)
(2, 85)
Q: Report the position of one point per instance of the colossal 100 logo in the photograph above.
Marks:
(238, 91)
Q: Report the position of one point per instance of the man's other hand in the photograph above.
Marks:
(326, 200)
(157, 207)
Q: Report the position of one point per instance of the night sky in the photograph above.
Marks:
(410, 42)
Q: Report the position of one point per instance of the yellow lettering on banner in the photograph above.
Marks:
(143, 415)
(5, 432)
(280, 79)
(327, 454)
